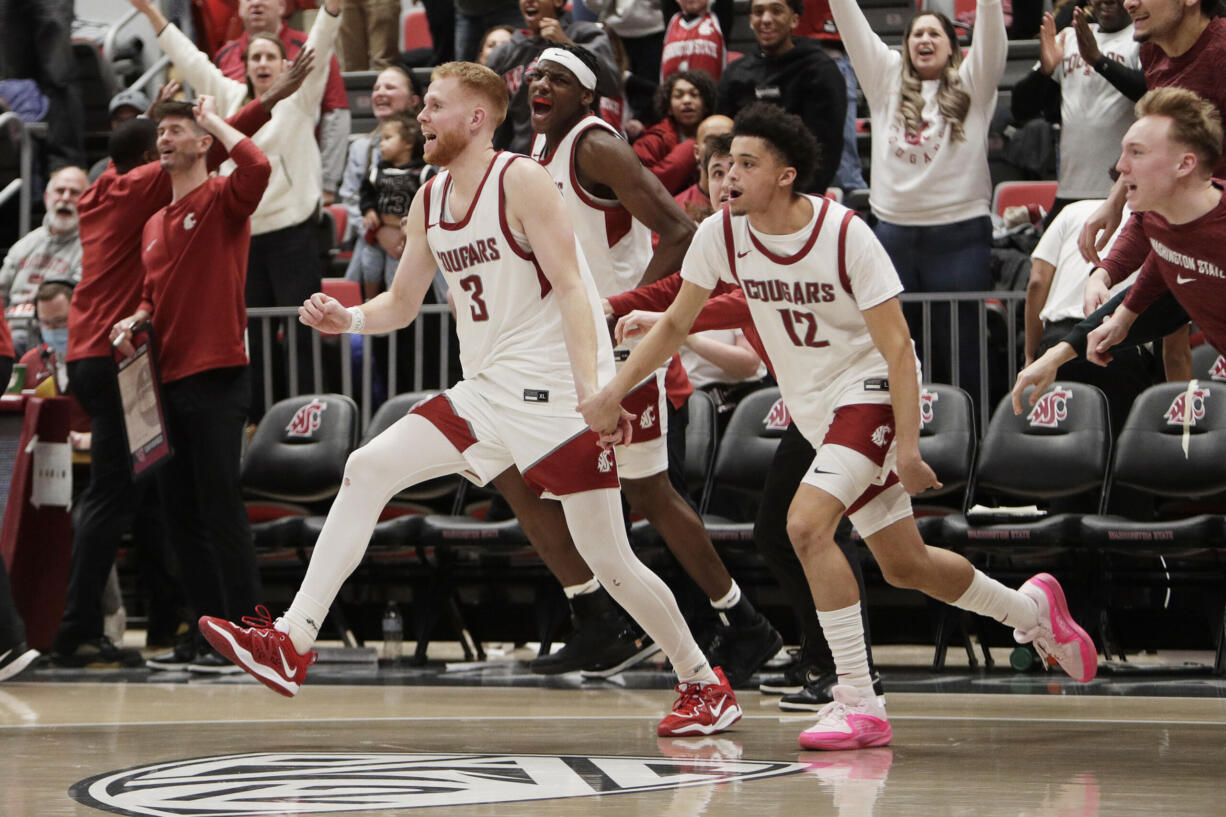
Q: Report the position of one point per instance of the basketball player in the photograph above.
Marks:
(531, 346)
(615, 205)
(824, 298)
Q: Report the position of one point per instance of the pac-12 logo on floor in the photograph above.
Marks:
(333, 782)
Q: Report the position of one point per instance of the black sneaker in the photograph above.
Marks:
(15, 659)
(817, 693)
(791, 676)
(741, 651)
(179, 658)
(209, 662)
(96, 653)
(603, 641)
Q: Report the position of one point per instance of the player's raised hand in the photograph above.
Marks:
(1050, 54)
(324, 313)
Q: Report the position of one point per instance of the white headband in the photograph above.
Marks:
(584, 74)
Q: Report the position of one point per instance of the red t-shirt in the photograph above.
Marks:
(1187, 259)
(817, 22)
(112, 215)
(229, 58)
(693, 45)
(195, 256)
(1202, 69)
(662, 151)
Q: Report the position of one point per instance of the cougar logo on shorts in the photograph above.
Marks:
(881, 436)
(1050, 409)
(778, 419)
(1218, 372)
(604, 463)
(648, 418)
(927, 398)
(1179, 407)
(306, 420)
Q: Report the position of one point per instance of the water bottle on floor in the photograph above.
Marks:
(393, 633)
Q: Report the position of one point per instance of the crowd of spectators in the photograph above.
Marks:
(668, 82)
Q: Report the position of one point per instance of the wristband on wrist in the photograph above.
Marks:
(357, 320)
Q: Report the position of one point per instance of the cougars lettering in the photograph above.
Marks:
(477, 252)
(808, 292)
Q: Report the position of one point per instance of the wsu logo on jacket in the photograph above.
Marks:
(306, 420)
(1179, 407)
(1050, 409)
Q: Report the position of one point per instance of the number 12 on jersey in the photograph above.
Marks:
(793, 320)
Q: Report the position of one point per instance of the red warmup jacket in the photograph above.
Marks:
(726, 310)
(112, 215)
(195, 256)
(672, 160)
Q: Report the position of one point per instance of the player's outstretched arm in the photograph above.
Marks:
(389, 310)
(535, 208)
(661, 343)
(888, 329)
(1041, 373)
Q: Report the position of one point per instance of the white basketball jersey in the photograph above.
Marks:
(805, 293)
(616, 245)
(507, 319)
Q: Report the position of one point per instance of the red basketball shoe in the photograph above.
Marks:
(701, 709)
(264, 652)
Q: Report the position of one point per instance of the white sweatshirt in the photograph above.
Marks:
(930, 179)
(288, 139)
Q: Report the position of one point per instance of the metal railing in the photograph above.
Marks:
(21, 186)
(332, 366)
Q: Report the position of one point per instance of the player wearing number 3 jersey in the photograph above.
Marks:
(532, 346)
(823, 296)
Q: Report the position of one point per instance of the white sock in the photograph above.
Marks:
(844, 631)
(596, 524)
(589, 586)
(729, 599)
(990, 598)
(302, 621)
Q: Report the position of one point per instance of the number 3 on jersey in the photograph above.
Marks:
(792, 319)
(472, 285)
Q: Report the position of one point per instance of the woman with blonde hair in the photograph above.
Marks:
(930, 187)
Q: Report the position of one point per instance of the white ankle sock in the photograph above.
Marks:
(988, 597)
(844, 631)
(702, 674)
(589, 586)
(302, 620)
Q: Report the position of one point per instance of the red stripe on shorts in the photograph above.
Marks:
(577, 465)
(439, 412)
(864, 427)
(871, 493)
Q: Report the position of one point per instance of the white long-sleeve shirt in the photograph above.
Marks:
(288, 139)
(927, 179)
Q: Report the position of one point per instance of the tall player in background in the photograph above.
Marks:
(824, 297)
(532, 345)
(615, 205)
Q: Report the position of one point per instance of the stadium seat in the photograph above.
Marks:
(1055, 455)
(340, 221)
(292, 467)
(1207, 364)
(415, 32)
(745, 454)
(1171, 448)
(349, 293)
(1011, 194)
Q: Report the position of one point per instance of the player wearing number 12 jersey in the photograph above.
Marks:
(532, 346)
(823, 295)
